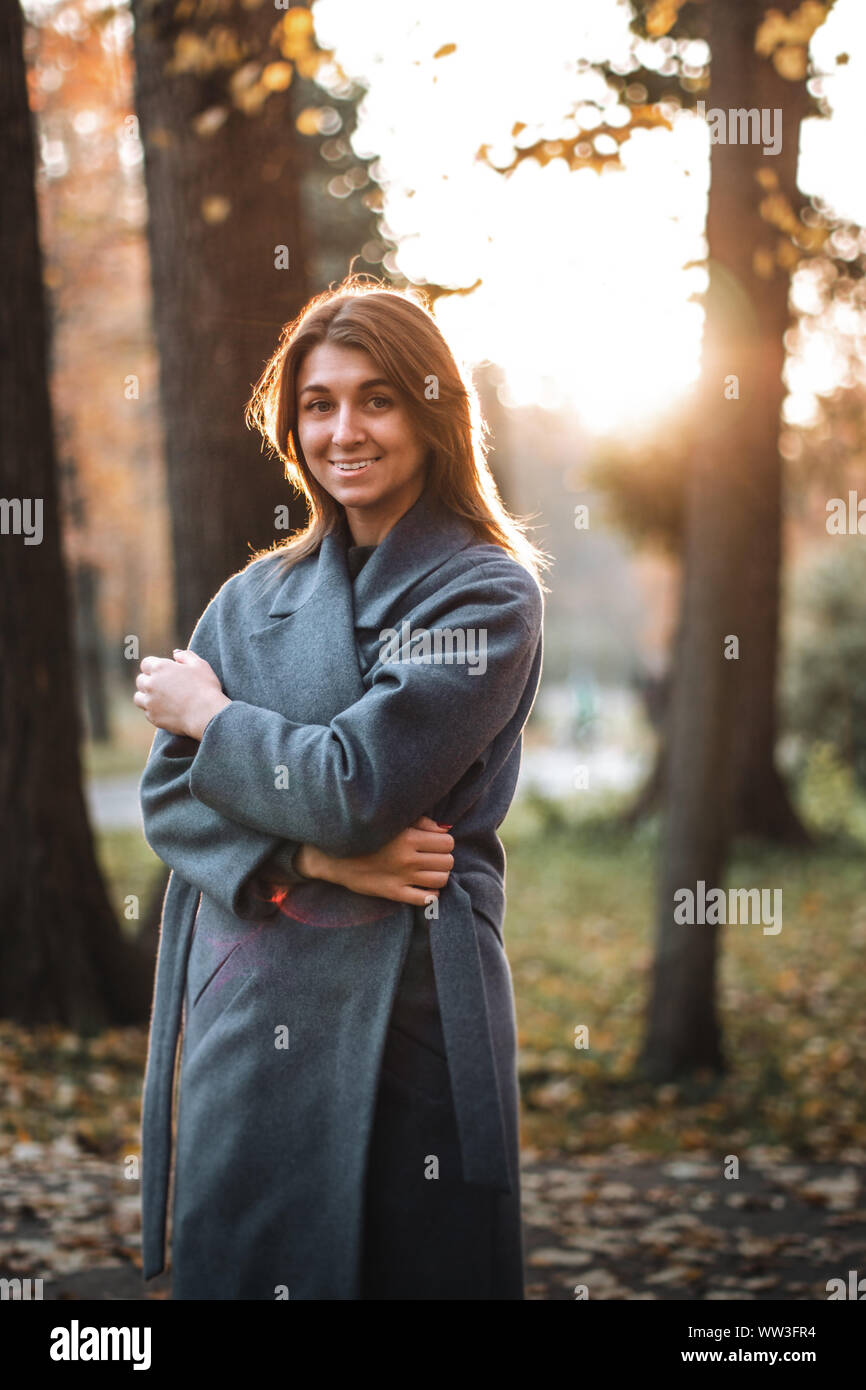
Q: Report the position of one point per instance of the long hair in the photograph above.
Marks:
(401, 336)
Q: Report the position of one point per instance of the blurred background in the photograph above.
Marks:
(666, 330)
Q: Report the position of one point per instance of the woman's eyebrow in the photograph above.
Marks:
(363, 386)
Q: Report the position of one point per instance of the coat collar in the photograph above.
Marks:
(307, 654)
(423, 538)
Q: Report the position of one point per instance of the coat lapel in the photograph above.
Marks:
(307, 654)
(424, 537)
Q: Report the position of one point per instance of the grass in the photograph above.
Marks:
(130, 867)
(579, 931)
(126, 754)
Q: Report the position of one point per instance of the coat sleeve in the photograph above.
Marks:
(207, 847)
(391, 756)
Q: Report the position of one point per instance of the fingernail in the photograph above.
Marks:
(443, 827)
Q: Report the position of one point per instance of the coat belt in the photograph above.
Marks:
(179, 908)
(468, 1042)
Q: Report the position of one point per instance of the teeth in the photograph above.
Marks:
(353, 467)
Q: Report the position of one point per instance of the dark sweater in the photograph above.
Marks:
(356, 557)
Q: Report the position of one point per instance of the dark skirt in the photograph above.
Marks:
(427, 1233)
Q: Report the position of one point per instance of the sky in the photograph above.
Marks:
(587, 299)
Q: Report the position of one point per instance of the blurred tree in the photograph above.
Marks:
(720, 772)
(228, 263)
(227, 108)
(62, 956)
(90, 193)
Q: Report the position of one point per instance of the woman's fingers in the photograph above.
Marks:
(432, 863)
(431, 841)
(150, 664)
(425, 823)
(429, 878)
(419, 896)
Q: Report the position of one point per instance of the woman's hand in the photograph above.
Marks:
(180, 696)
(411, 868)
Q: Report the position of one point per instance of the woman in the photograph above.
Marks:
(348, 1116)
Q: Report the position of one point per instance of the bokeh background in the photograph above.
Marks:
(667, 335)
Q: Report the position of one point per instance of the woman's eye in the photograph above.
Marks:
(379, 401)
(313, 405)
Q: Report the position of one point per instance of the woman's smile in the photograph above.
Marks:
(354, 465)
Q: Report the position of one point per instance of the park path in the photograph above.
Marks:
(618, 1224)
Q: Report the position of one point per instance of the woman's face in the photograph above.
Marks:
(358, 439)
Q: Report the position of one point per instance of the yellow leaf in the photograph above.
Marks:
(777, 28)
(791, 61)
(776, 209)
(307, 121)
(308, 64)
(444, 51)
(662, 16)
(277, 76)
(787, 255)
(294, 33)
(201, 54)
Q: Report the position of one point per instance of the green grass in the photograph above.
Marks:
(580, 931)
(130, 867)
(126, 754)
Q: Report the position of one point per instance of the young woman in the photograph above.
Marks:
(334, 754)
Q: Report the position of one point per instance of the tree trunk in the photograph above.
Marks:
(220, 206)
(732, 556)
(62, 956)
(762, 804)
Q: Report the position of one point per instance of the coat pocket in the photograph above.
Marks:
(215, 972)
(415, 1067)
(217, 938)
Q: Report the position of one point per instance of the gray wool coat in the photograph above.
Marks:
(337, 737)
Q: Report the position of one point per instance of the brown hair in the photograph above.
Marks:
(403, 339)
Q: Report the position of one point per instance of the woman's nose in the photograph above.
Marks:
(348, 429)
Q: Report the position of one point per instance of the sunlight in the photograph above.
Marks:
(584, 300)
